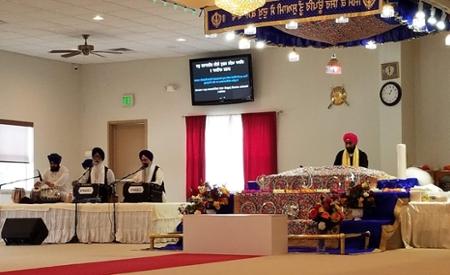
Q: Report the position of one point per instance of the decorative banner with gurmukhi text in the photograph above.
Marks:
(281, 12)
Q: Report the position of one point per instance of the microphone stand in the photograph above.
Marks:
(11, 182)
(113, 185)
(75, 235)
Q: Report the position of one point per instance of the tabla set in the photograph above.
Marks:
(45, 195)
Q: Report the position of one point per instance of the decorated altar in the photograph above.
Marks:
(297, 191)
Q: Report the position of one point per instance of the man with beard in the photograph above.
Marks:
(351, 155)
(151, 173)
(100, 174)
(57, 176)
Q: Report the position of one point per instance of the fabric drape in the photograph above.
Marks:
(260, 144)
(195, 153)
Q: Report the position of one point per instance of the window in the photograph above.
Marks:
(16, 154)
(223, 152)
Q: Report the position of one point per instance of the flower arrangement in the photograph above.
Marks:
(360, 196)
(207, 198)
(328, 213)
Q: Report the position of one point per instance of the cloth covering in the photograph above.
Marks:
(426, 224)
(135, 221)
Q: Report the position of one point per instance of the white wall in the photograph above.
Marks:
(390, 117)
(47, 93)
(410, 76)
(432, 101)
(309, 133)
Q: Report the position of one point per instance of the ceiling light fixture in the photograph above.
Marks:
(333, 66)
(250, 30)
(418, 22)
(388, 11)
(293, 56)
(229, 36)
(244, 43)
(441, 24)
(181, 39)
(98, 17)
(292, 25)
(260, 45)
(371, 45)
(341, 20)
(432, 19)
(239, 7)
(420, 13)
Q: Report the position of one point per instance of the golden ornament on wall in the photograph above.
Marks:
(338, 96)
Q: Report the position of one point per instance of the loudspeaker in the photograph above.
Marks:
(24, 231)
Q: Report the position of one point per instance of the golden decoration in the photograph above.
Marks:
(216, 19)
(338, 96)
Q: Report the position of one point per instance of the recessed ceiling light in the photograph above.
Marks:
(181, 39)
(98, 17)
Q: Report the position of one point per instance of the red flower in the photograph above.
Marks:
(325, 215)
(313, 213)
(336, 217)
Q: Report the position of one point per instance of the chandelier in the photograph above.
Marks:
(239, 7)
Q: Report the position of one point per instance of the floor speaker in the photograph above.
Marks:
(24, 231)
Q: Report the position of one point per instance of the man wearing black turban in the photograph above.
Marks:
(99, 173)
(151, 173)
(57, 176)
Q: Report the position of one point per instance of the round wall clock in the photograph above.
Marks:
(390, 93)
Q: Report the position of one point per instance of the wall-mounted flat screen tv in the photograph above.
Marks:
(221, 80)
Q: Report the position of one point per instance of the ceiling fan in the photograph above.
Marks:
(84, 49)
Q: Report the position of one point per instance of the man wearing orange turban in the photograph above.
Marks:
(351, 155)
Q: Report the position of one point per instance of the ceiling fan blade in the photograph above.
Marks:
(113, 52)
(97, 54)
(71, 54)
(63, 51)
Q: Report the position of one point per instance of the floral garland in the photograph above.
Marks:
(207, 198)
(327, 214)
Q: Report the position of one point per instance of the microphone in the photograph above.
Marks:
(84, 173)
(131, 174)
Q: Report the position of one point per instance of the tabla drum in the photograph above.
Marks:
(50, 195)
(35, 194)
(18, 195)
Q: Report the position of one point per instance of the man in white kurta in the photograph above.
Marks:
(99, 173)
(151, 173)
(57, 176)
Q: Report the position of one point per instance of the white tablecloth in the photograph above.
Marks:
(426, 224)
(134, 221)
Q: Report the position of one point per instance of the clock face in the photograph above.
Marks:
(390, 93)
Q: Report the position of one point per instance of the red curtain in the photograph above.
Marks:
(195, 153)
(260, 144)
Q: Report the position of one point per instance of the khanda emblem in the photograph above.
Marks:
(369, 3)
(216, 19)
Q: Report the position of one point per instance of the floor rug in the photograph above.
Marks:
(131, 265)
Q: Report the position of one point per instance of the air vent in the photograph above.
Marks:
(121, 50)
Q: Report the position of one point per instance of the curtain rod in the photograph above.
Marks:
(278, 112)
